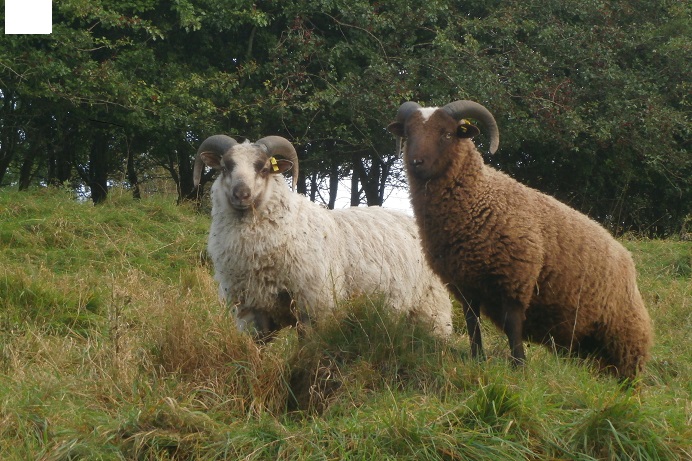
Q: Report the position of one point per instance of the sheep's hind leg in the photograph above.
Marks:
(472, 313)
(512, 325)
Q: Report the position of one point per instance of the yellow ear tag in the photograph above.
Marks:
(275, 167)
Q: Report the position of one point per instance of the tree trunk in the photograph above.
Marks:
(372, 185)
(313, 186)
(26, 170)
(369, 179)
(98, 166)
(333, 183)
(132, 175)
(302, 186)
(384, 175)
(6, 156)
(8, 134)
(61, 155)
(184, 179)
(355, 186)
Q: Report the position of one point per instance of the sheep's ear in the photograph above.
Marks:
(466, 130)
(211, 159)
(396, 128)
(280, 165)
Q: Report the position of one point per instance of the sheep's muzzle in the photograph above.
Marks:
(241, 197)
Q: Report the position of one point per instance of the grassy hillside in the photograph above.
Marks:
(113, 345)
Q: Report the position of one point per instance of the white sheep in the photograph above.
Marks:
(540, 270)
(280, 258)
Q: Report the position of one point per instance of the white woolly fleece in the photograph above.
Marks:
(319, 257)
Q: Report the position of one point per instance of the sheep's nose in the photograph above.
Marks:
(241, 193)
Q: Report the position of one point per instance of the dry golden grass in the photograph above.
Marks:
(114, 345)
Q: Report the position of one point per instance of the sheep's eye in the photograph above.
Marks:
(448, 135)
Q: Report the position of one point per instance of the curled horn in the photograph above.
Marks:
(402, 114)
(461, 109)
(217, 144)
(405, 110)
(276, 145)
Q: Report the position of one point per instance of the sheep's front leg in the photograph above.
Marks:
(472, 313)
(252, 320)
(302, 323)
(513, 323)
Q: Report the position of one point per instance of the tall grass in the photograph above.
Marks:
(113, 345)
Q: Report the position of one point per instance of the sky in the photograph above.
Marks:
(396, 198)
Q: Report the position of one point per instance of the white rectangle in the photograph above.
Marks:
(28, 16)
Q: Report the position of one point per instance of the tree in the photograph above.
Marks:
(597, 112)
(592, 99)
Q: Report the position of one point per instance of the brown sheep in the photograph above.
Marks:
(540, 270)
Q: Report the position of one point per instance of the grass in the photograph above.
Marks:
(113, 345)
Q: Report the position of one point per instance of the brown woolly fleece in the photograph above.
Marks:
(500, 245)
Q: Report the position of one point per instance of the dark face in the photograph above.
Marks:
(432, 137)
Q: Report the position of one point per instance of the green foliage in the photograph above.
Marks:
(592, 99)
(590, 119)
